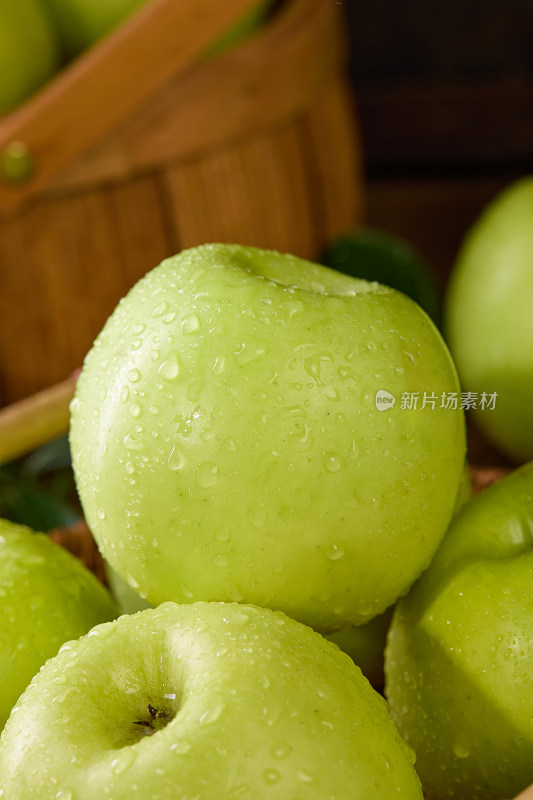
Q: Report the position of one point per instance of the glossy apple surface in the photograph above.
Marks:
(365, 644)
(28, 51)
(459, 659)
(227, 445)
(46, 597)
(488, 318)
(210, 701)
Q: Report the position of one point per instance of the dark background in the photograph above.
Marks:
(444, 93)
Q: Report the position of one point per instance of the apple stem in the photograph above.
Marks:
(36, 420)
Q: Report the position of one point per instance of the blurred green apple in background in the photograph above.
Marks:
(46, 597)
(81, 23)
(29, 53)
(203, 701)
(489, 318)
(229, 444)
(459, 658)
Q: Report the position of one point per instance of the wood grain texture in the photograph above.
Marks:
(63, 267)
(264, 83)
(108, 82)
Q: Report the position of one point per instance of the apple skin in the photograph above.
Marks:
(365, 644)
(459, 658)
(258, 706)
(47, 596)
(227, 446)
(488, 319)
(29, 53)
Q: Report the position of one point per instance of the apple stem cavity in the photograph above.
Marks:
(157, 719)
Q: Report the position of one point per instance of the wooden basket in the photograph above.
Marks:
(138, 154)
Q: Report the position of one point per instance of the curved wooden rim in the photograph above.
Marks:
(240, 93)
(275, 75)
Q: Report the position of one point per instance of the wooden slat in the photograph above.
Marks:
(336, 155)
(65, 265)
(100, 89)
(255, 193)
(265, 82)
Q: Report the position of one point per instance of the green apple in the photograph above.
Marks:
(80, 23)
(228, 442)
(127, 598)
(46, 597)
(29, 53)
(203, 701)
(365, 644)
(488, 319)
(459, 659)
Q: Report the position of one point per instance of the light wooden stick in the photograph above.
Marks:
(36, 420)
(527, 794)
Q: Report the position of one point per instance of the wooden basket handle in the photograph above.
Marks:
(102, 87)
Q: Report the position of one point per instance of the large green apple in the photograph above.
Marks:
(489, 319)
(365, 644)
(228, 441)
(459, 659)
(205, 701)
(28, 51)
(46, 597)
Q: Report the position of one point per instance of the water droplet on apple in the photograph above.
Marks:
(124, 761)
(176, 459)
(258, 515)
(190, 323)
(169, 369)
(332, 394)
(280, 750)
(220, 560)
(271, 777)
(219, 365)
(64, 794)
(238, 791)
(124, 395)
(160, 309)
(292, 411)
(332, 462)
(461, 750)
(212, 713)
(334, 552)
(134, 375)
(130, 469)
(304, 777)
(135, 410)
(207, 474)
(170, 317)
(133, 442)
(223, 535)
(101, 513)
